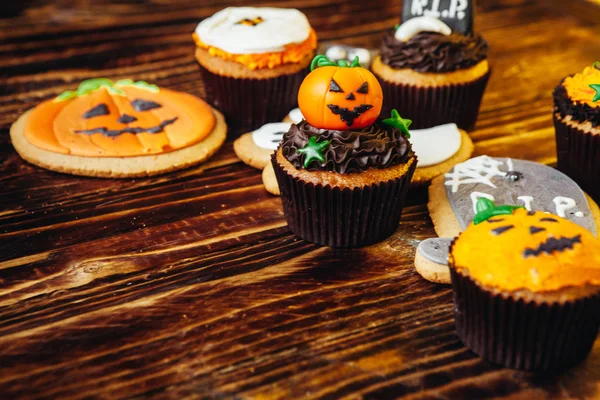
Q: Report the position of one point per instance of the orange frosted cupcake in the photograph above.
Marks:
(577, 120)
(253, 61)
(343, 173)
(432, 75)
(526, 288)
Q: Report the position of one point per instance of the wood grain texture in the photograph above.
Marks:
(189, 285)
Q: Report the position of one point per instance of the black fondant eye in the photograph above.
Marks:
(548, 219)
(100, 109)
(350, 96)
(364, 88)
(535, 229)
(501, 229)
(495, 220)
(530, 212)
(144, 105)
(334, 87)
(126, 119)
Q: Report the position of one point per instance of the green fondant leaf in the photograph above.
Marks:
(343, 63)
(115, 90)
(91, 85)
(396, 121)
(138, 84)
(66, 95)
(355, 62)
(486, 209)
(597, 65)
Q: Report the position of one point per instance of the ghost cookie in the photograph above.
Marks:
(118, 129)
(294, 117)
(438, 149)
(255, 148)
(453, 198)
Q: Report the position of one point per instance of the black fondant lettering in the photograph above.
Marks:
(349, 116)
(553, 244)
(501, 229)
(126, 119)
(144, 105)
(535, 229)
(334, 87)
(457, 14)
(96, 111)
(114, 132)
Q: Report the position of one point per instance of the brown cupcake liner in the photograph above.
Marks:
(523, 334)
(337, 217)
(250, 103)
(432, 106)
(578, 155)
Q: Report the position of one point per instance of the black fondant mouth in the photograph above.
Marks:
(349, 116)
(135, 130)
(553, 244)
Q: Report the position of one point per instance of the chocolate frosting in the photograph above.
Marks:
(376, 146)
(433, 52)
(578, 111)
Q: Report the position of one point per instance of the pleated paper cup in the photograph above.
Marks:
(435, 105)
(342, 217)
(249, 103)
(521, 333)
(578, 155)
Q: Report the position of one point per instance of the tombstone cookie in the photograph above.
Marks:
(119, 129)
(536, 187)
(432, 69)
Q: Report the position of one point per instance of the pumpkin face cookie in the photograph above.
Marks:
(119, 129)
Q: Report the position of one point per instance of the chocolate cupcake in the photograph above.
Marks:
(431, 74)
(576, 120)
(343, 173)
(253, 61)
(526, 288)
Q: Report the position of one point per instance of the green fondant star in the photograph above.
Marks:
(314, 151)
(396, 121)
(486, 209)
(596, 87)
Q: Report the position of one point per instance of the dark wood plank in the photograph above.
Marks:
(190, 285)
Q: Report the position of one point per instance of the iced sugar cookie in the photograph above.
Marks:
(119, 129)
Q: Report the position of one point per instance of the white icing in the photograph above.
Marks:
(476, 196)
(295, 116)
(475, 170)
(364, 56)
(421, 24)
(335, 53)
(509, 164)
(525, 199)
(279, 27)
(268, 136)
(563, 204)
(435, 145)
(579, 214)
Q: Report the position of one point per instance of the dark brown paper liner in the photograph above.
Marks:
(250, 103)
(346, 217)
(523, 334)
(578, 156)
(432, 106)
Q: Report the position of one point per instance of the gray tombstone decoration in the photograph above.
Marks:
(457, 14)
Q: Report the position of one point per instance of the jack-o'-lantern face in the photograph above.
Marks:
(340, 97)
(122, 119)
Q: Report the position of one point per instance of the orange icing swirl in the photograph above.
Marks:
(578, 86)
(293, 53)
(538, 252)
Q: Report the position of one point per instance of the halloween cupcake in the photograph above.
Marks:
(431, 74)
(253, 61)
(343, 173)
(526, 288)
(576, 119)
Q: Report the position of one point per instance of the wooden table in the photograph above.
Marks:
(190, 285)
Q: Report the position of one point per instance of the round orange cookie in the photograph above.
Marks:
(120, 129)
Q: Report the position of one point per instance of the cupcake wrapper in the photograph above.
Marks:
(432, 106)
(250, 103)
(337, 217)
(578, 156)
(524, 334)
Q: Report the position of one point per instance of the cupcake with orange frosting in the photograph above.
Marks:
(253, 61)
(577, 124)
(526, 288)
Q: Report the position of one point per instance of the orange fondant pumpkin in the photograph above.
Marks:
(125, 118)
(339, 96)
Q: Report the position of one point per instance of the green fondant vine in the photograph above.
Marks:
(91, 85)
(486, 209)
